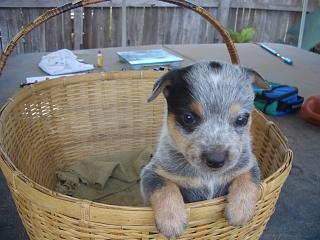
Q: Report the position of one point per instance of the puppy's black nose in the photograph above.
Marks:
(215, 159)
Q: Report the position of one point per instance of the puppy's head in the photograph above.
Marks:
(209, 112)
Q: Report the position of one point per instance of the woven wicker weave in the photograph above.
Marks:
(48, 125)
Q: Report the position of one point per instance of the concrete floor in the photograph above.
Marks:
(297, 214)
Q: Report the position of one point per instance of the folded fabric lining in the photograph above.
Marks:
(103, 176)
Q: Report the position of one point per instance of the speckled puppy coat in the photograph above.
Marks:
(204, 150)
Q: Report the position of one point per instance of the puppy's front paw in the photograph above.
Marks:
(239, 212)
(169, 209)
(172, 222)
(242, 198)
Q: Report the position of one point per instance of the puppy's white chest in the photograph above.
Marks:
(217, 186)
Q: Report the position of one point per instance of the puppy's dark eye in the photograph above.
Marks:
(242, 120)
(188, 119)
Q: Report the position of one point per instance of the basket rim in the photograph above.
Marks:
(106, 76)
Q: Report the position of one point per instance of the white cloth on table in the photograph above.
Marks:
(62, 62)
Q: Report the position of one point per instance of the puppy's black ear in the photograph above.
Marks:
(160, 85)
(257, 79)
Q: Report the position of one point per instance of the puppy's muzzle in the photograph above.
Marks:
(214, 159)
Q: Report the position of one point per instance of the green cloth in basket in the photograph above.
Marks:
(107, 179)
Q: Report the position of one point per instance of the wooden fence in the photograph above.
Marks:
(148, 22)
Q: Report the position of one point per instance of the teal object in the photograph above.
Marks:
(154, 57)
(275, 53)
(271, 108)
(311, 34)
(279, 100)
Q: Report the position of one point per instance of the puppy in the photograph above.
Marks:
(204, 150)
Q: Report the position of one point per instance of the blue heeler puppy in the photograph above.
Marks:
(204, 150)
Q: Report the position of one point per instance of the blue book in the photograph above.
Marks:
(155, 57)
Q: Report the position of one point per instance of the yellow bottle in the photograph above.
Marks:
(100, 59)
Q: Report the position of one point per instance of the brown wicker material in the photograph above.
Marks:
(48, 125)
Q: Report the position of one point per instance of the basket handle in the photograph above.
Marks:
(80, 3)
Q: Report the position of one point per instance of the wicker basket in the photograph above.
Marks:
(48, 125)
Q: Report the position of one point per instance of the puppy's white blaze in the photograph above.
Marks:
(212, 132)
